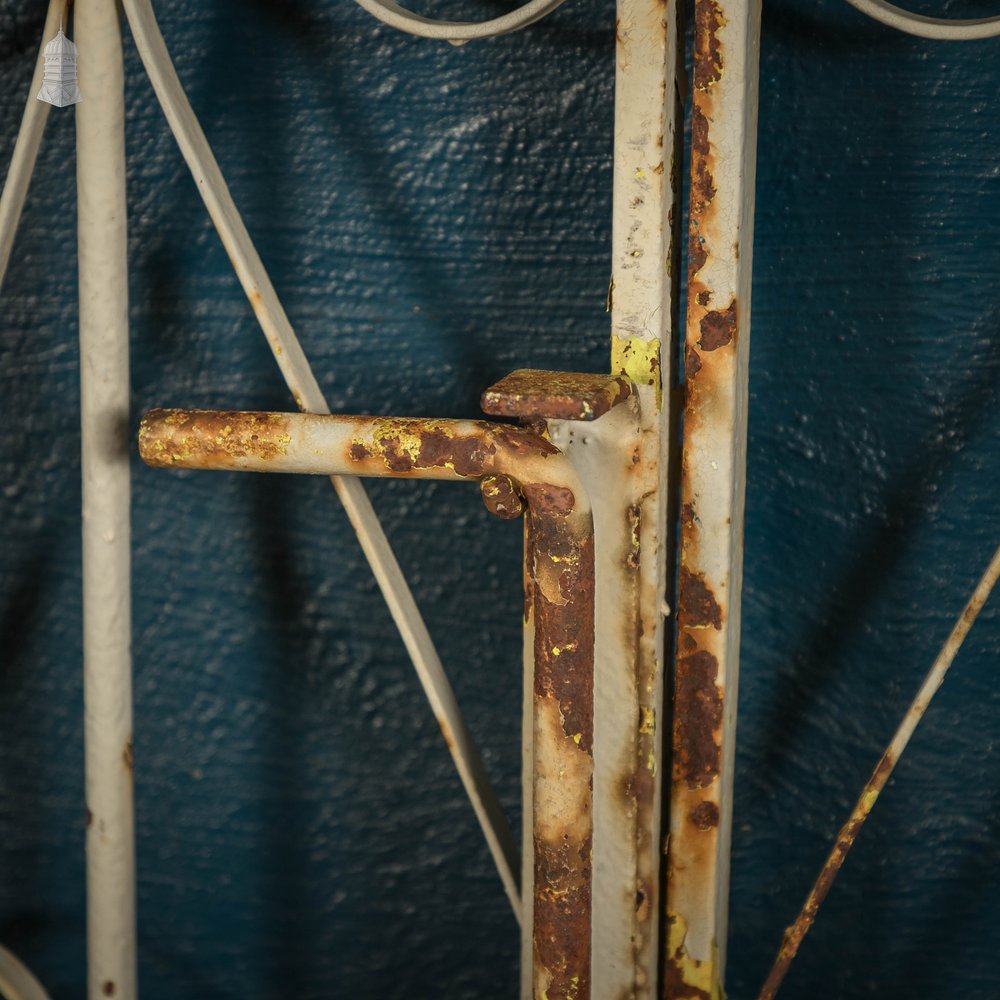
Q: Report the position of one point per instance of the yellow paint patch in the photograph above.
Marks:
(700, 975)
(639, 359)
(647, 721)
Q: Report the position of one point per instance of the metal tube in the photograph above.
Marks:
(879, 778)
(104, 398)
(16, 980)
(559, 597)
(643, 331)
(713, 474)
(29, 139)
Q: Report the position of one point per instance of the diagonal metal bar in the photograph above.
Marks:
(29, 139)
(795, 934)
(299, 377)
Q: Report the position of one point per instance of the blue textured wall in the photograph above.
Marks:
(434, 217)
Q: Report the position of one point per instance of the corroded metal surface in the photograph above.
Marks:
(510, 463)
(642, 301)
(723, 138)
(528, 393)
(605, 453)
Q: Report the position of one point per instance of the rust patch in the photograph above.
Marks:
(702, 181)
(705, 815)
(718, 328)
(674, 987)
(501, 497)
(359, 452)
(697, 254)
(548, 499)
(127, 753)
(697, 607)
(704, 297)
(108, 989)
(562, 904)
(708, 19)
(528, 393)
(90, 818)
(560, 562)
(564, 634)
(697, 715)
(692, 364)
(211, 438)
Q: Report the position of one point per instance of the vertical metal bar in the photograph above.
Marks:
(104, 398)
(29, 138)
(723, 158)
(561, 594)
(642, 310)
(604, 453)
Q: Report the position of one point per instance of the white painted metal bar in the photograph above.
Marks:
(104, 403)
(723, 158)
(628, 758)
(27, 143)
(309, 397)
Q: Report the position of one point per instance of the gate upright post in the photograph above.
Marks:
(643, 306)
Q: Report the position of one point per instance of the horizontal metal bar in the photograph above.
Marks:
(336, 445)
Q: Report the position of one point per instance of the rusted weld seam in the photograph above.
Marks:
(559, 591)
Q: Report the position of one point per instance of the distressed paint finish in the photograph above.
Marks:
(642, 304)
(527, 394)
(713, 460)
(594, 421)
(559, 609)
(606, 454)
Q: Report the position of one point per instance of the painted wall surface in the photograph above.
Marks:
(433, 218)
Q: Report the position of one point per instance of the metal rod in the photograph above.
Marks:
(16, 980)
(27, 143)
(713, 476)
(104, 402)
(878, 780)
(643, 330)
(309, 397)
(559, 592)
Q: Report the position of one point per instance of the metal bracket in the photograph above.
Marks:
(580, 636)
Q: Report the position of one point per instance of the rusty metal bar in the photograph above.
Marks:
(513, 466)
(879, 778)
(643, 304)
(723, 157)
(104, 411)
(594, 420)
